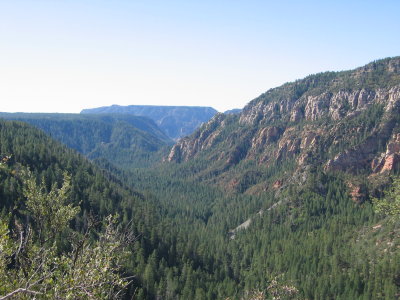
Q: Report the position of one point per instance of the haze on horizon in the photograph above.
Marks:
(64, 56)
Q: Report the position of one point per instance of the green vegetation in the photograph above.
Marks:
(313, 243)
(125, 140)
(175, 121)
(34, 263)
(253, 212)
(390, 204)
(45, 208)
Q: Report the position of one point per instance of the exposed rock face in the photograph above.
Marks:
(332, 105)
(289, 144)
(309, 139)
(175, 153)
(277, 184)
(203, 139)
(265, 135)
(297, 114)
(317, 106)
(364, 155)
(354, 159)
(340, 104)
(334, 120)
(290, 141)
(357, 192)
(389, 160)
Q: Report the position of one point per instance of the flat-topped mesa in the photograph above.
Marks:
(175, 121)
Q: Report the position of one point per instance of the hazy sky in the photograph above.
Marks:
(63, 56)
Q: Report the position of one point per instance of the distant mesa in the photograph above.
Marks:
(234, 111)
(175, 121)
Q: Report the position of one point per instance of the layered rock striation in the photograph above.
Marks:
(341, 122)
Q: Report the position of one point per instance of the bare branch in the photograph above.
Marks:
(20, 290)
(21, 241)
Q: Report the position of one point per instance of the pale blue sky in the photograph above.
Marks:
(63, 56)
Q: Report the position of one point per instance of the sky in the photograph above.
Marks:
(64, 56)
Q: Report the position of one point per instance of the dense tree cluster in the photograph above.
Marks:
(220, 225)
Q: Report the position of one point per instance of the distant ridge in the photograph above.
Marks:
(123, 140)
(175, 121)
(233, 111)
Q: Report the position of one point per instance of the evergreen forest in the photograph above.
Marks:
(295, 197)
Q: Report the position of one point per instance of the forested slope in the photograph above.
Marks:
(125, 140)
(301, 164)
(297, 168)
(97, 193)
(341, 121)
(175, 121)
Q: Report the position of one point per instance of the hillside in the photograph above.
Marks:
(274, 201)
(124, 140)
(175, 121)
(345, 121)
(298, 167)
(97, 193)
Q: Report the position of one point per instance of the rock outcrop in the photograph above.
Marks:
(390, 159)
(202, 139)
(358, 192)
(340, 121)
